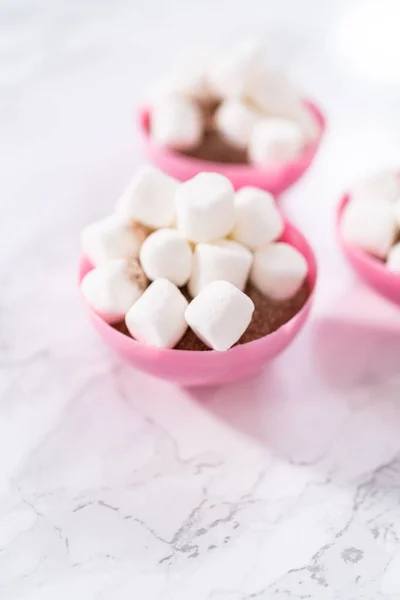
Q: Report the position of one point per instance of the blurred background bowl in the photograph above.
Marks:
(275, 179)
(369, 268)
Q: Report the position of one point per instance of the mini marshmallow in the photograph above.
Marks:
(220, 315)
(393, 259)
(149, 198)
(279, 270)
(113, 287)
(224, 260)
(274, 94)
(258, 220)
(275, 141)
(158, 317)
(176, 122)
(381, 186)
(188, 79)
(369, 225)
(234, 120)
(232, 74)
(166, 254)
(112, 237)
(204, 207)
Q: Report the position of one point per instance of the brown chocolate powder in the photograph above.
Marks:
(122, 328)
(269, 315)
(214, 148)
(190, 341)
(208, 109)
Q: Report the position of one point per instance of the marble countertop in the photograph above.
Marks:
(114, 485)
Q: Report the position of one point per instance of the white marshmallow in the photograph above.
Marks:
(381, 186)
(369, 225)
(275, 141)
(113, 287)
(204, 207)
(112, 237)
(274, 94)
(149, 198)
(278, 270)
(235, 121)
(176, 122)
(393, 259)
(258, 220)
(236, 71)
(166, 254)
(158, 317)
(224, 260)
(397, 212)
(189, 78)
(220, 314)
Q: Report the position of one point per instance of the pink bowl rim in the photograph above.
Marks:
(229, 169)
(358, 255)
(128, 342)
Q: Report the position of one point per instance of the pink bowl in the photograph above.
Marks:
(190, 368)
(369, 268)
(275, 179)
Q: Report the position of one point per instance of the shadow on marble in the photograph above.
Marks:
(330, 402)
(242, 402)
(338, 410)
(348, 355)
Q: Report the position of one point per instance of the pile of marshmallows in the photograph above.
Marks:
(260, 110)
(175, 234)
(371, 219)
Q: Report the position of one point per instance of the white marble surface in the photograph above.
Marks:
(114, 485)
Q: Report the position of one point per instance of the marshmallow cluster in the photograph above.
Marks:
(258, 108)
(199, 234)
(371, 218)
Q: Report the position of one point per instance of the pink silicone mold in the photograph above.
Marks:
(193, 368)
(274, 179)
(370, 269)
